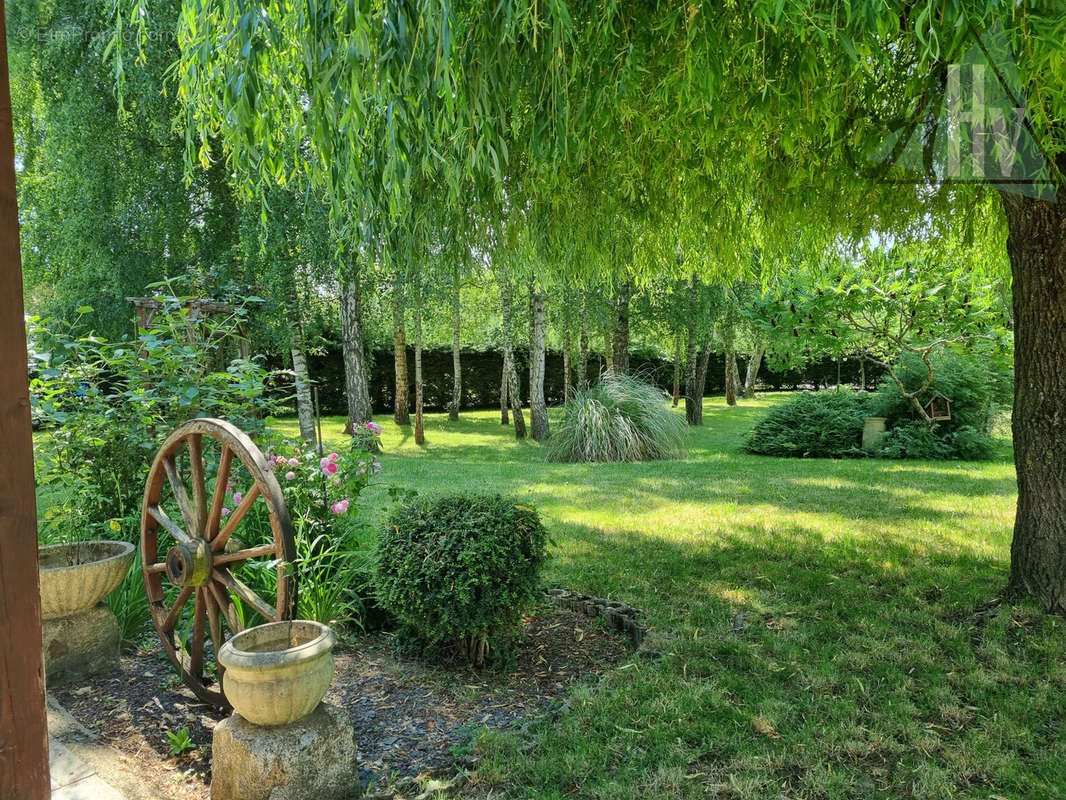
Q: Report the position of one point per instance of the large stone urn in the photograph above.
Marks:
(279, 672)
(77, 576)
(80, 633)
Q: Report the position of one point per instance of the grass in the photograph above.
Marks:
(828, 628)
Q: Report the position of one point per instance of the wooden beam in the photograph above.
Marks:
(23, 721)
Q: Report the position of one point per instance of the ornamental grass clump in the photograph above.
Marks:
(620, 418)
(457, 571)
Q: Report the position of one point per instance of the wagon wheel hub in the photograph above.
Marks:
(189, 564)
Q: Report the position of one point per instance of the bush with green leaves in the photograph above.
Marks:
(458, 570)
(103, 407)
(826, 424)
(979, 388)
(619, 418)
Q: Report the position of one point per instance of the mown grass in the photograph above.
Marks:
(829, 629)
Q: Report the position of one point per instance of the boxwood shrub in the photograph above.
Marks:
(458, 570)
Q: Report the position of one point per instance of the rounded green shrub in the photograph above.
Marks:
(826, 424)
(619, 418)
(458, 570)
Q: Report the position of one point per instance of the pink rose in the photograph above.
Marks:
(373, 428)
(339, 507)
(333, 456)
(328, 467)
(290, 475)
(237, 496)
(294, 462)
(225, 511)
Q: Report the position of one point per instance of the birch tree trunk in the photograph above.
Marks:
(305, 409)
(505, 387)
(510, 371)
(693, 393)
(752, 374)
(583, 355)
(356, 387)
(608, 347)
(677, 369)
(457, 372)
(538, 408)
(621, 328)
(420, 434)
(400, 404)
(568, 387)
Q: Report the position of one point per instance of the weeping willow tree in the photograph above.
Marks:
(835, 119)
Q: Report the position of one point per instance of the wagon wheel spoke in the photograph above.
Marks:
(221, 480)
(170, 464)
(239, 588)
(160, 516)
(219, 542)
(196, 647)
(212, 618)
(151, 569)
(171, 620)
(244, 555)
(199, 487)
(225, 606)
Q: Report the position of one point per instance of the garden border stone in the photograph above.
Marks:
(620, 616)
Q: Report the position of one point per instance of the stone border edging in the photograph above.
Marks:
(620, 616)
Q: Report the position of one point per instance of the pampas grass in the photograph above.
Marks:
(620, 418)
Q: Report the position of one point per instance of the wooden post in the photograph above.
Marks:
(23, 723)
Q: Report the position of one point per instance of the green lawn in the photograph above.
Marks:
(826, 625)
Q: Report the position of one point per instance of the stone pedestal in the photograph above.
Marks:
(872, 431)
(80, 645)
(312, 757)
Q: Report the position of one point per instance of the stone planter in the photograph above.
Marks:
(872, 430)
(279, 672)
(75, 577)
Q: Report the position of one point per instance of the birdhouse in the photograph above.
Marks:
(938, 408)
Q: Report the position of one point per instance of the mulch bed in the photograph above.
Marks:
(409, 718)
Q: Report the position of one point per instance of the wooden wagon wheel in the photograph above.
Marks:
(189, 550)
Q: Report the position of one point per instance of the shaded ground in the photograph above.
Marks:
(409, 718)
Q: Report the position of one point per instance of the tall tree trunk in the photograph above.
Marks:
(753, 371)
(356, 386)
(568, 366)
(1036, 246)
(505, 387)
(621, 328)
(457, 372)
(538, 408)
(862, 373)
(511, 376)
(583, 354)
(693, 394)
(305, 409)
(400, 404)
(677, 369)
(420, 433)
(701, 374)
(732, 377)
(608, 347)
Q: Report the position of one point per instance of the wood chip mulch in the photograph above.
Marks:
(409, 718)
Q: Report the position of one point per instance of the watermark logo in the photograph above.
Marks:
(976, 129)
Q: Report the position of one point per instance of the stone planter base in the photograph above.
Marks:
(314, 757)
(80, 645)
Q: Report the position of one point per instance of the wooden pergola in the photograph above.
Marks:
(23, 721)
